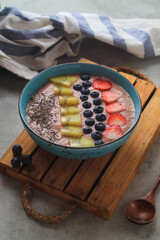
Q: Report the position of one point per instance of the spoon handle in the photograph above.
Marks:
(156, 185)
(150, 195)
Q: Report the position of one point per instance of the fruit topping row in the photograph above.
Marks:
(97, 126)
(113, 108)
(91, 127)
(71, 118)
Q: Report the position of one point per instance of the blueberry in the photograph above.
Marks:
(15, 162)
(16, 149)
(86, 84)
(87, 113)
(98, 109)
(94, 94)
(97, 101)
(100, 127)
(83, 98)
(87, 130)
(100, 117)
(85, 76)
(99, 142)
(85, 91)
(77, 87)
(89, 122)
(26, 160)
(96, 135)
(86, 105)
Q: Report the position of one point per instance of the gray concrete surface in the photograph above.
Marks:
(14, 223)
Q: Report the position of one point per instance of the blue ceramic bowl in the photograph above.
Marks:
(77, 68)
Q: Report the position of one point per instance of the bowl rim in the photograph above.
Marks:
(66, 147)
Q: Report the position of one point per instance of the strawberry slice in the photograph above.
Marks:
(115, 107)
(113, 132)
(100, 84)
(117, 118)
(110, 96)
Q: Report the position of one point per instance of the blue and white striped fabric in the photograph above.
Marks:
(32, 42)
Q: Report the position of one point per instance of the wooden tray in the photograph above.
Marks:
(96, 185)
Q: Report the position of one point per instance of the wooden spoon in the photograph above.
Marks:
(143, 210)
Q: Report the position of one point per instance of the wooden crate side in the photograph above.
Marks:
(91, 170)
(145, 90)
(41, 161)
(84, 60)
(61, 172)
(56, 193)
(114, 182)
(27, 144)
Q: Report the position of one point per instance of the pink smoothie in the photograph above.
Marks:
(44, 115)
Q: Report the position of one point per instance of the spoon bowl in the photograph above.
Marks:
(143, 210)
(140, 211)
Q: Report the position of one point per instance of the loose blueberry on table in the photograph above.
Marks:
(15, 162)
(17, 150)
(26, 160)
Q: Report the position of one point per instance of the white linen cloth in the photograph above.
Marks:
(32, 42)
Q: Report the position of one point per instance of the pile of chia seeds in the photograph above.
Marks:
(40, 111)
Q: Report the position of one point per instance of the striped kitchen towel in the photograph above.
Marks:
(32, 42)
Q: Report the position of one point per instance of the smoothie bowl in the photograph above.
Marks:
(79, 110)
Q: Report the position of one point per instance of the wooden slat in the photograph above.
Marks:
(145, 89)
(27, 144)
(130, 77)
(114, 182)
(84, 60)
(86, 176)
(41, 161)
(60, 173)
